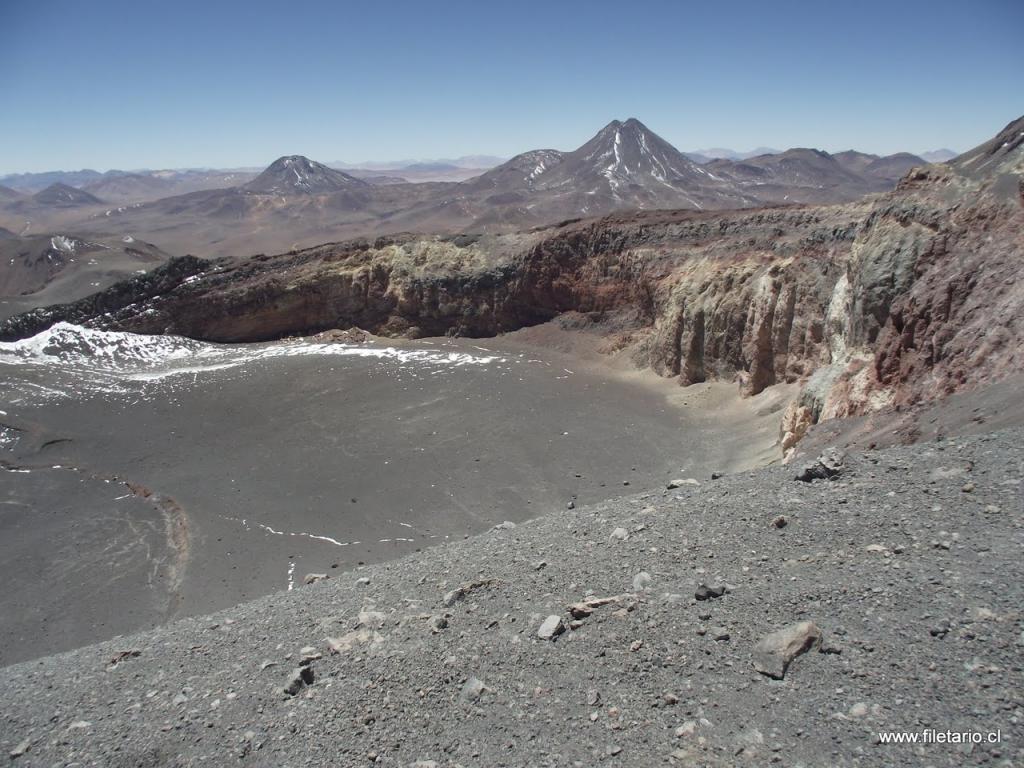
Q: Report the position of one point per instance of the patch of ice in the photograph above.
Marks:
(62, 243)
(108, 362)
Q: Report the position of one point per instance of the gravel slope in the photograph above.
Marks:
(909, 563)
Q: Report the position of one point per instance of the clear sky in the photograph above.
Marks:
(112, 84)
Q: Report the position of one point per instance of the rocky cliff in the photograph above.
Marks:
(905, 297)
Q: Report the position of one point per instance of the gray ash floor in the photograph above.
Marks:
(910, 563)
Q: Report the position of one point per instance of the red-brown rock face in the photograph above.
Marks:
(902, 298)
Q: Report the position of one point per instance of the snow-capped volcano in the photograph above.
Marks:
(298, 175)
(626, 165)
(624, 154)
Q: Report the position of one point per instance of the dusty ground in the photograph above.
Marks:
(140, 489)
(909, 564)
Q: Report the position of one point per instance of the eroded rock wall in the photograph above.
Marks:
(897, 299)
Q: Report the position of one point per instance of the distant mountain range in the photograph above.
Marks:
(297, 201)
(466, 161)
(119, 186)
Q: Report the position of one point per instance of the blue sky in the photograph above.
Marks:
(216, 83)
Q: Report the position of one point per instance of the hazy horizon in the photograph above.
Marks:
(199, 85)
(398, 161)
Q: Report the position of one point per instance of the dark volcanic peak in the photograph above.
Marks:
(855, 161)
(625, 165)
(1003, 154)
(628, 153)
(801, 175)
(65, 196)
(521, 170)
(893, 166)
(7, 194)
(298, 175)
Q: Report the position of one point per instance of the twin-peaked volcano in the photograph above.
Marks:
(298, 175)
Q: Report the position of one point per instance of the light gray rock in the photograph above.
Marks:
(473, 689)
(551, 628)
(371, 619)
(827, 466)
(21, 749)
(642, 581)
(774, 652)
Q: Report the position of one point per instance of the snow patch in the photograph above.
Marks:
(113, 362)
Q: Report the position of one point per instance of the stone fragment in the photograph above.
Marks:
(641, 581)
(686, 729)
(460, 592)
(300, 678)
(351, 639)
(22, 747)
(940, 629)
(620, 533)
(120, 656)
(774, 652)
(370, 619)
(704, 592)
(827, 466)
(584, 608)
(473, 689)
(313, 578)
(551, 628)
